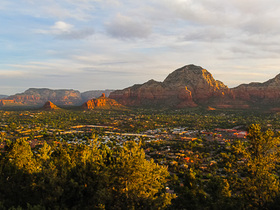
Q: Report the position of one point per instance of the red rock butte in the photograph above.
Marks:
(102, 103)
(188, 86)
(50, 106)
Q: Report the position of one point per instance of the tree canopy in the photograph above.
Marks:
(82, 177)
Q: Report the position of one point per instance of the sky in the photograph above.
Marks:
(113, 44)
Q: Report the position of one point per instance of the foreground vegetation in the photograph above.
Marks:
(45, 164)
(61, 176)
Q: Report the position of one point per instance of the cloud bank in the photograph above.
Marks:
(98, 44)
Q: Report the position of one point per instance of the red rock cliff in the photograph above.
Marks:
(188, 86)
(102, 103)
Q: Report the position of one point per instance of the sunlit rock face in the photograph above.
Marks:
(188, 86)
(50, 106)
(101, 103)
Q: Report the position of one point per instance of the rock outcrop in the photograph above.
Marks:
(102, 103)
(188, 86)
(50, 106)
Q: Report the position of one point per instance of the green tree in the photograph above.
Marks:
(137, 183)
(256, 183)
(191, 195)
(20, 156)
(219, 194)
(17, 169)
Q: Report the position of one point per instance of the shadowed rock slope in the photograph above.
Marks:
(260, 94)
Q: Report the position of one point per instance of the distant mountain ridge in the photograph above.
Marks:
(39, 96)
(188, 86)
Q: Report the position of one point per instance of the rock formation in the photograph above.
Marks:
(50, 106)
(102, 103)
(6, 102)
(188, 86)
(192, 85)
(38, 96)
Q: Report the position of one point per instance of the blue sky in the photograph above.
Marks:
(113, 44)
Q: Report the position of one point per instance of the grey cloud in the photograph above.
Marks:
(116, 63)
(127, 28)
(107, 72)
(205, 34)
(196, 12)
(260, 40)
(75, 34)
(57, 75)
(252, 15)
(264, 24)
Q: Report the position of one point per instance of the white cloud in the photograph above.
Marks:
(11, 73)
(150, 38)
(61, 26)
(63, 30)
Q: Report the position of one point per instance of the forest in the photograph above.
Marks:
(106, 160)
